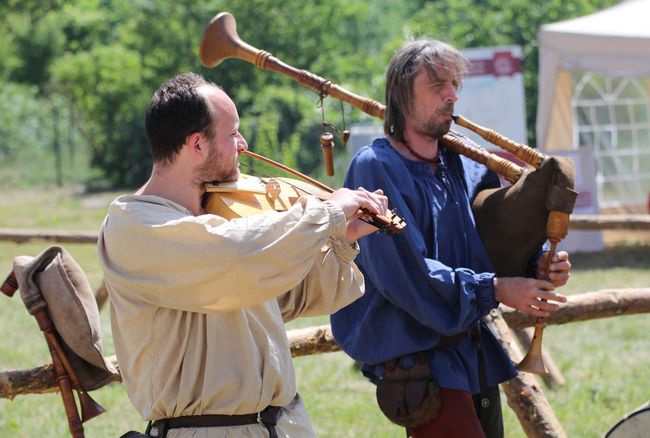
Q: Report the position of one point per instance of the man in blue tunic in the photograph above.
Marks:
(427, 288)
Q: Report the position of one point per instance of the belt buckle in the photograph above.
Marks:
(158, 429)
(259, 418)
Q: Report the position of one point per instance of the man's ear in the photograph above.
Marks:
(193, 142)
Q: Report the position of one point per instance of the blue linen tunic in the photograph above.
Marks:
(433, 279)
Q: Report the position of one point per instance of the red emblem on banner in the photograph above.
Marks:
(501, 64)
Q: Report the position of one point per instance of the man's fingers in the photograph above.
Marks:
(564, 265)
(543, 285)
(560, 256)
(560, 262)
(375, 202)
(540, 308)
(547, 306)
(531, 296)
(532, 311)
(383, 199)
(536, 295)
(551, 296)
(559, 276)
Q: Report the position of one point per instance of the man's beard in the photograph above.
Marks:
(214, 169)
(433, 129)
(436, 130)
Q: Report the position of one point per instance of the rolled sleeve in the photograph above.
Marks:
(338, 233)
(485, 292)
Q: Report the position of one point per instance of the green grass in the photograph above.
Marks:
(605, 362)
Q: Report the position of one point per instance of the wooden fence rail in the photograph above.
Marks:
(319, 339)
(578, 222)
(610, 222)
(51, 236)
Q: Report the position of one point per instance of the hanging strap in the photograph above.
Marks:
(475, 334)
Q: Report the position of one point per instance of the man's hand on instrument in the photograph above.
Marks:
(528, 295)
(560, 267)
(352, 201)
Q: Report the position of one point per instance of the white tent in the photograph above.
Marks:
(612, 48)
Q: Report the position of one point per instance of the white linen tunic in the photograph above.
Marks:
(198, 305)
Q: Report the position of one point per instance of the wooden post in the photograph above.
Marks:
(525, 395)
(101, 296)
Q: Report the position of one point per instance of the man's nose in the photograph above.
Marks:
(242, 145)
(451, 95)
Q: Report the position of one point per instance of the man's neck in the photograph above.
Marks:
(417, 148)
(175, 186)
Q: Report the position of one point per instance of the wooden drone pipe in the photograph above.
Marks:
(557, 227)
(521, 151)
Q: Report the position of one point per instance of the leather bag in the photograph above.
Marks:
(409, 397)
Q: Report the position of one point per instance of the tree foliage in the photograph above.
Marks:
(471, 23)
(95, 63)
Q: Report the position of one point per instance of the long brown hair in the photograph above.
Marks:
(401, 72)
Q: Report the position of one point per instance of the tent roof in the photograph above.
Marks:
(625, 20)
(614, 41)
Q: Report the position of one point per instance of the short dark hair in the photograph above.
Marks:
(177, 110)
(401, 72)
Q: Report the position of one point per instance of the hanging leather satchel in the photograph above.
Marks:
(409, 397)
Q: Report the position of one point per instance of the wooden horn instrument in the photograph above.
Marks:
(221, 41)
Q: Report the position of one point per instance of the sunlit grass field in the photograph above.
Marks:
(606, 362)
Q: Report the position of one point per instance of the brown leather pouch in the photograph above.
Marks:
(409, 398)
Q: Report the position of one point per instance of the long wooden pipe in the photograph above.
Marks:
(525, 153)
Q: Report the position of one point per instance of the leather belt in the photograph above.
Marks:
(268, 418)
(442, 342)
(446, 340)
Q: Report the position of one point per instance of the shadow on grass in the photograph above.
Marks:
(635, 256)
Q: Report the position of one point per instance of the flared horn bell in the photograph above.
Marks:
(89, 407)
(533, 362)
(220, 41)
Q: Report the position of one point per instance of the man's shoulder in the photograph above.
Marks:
(135, 204)
(379, 150)
(138, 211)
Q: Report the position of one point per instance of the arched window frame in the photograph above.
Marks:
(612, 116)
